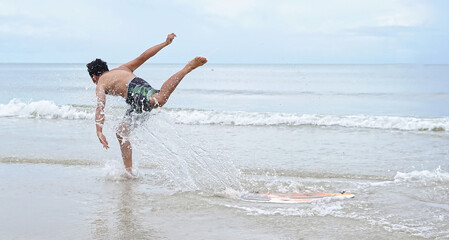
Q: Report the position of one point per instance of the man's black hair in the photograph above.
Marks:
(97, 67)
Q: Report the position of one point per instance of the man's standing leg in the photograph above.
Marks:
(122, 134)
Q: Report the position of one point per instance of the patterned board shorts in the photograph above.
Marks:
(139, 95)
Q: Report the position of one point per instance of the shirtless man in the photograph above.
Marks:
(138, 93)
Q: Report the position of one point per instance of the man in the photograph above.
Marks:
(138, 93)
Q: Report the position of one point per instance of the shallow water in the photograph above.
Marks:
(379, 132)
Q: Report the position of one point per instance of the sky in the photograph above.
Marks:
(227, 31)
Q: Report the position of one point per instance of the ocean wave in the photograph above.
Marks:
(48, 161)
(271, 92)
(425, 177)
(203, 117)
(309, 210)
(45, 109)
(42, 109)
(290, 173)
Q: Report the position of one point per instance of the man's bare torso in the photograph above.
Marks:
(114, 82)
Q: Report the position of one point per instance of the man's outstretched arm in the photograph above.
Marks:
(134, 64)
(99, 115)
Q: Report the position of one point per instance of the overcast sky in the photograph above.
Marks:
(226, 31)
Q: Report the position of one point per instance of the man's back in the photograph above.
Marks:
(114, 82)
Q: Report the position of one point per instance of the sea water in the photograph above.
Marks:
(378, 131)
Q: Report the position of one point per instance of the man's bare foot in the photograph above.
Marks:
(128, 174)
(196, 62)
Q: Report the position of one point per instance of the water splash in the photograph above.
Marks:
(114, 171)
(185, 164)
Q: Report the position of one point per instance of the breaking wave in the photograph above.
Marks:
(200, 117)
(45, 109)
(424, 177)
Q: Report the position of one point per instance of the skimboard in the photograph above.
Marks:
(292, 197)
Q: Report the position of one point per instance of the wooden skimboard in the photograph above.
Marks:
(292, 197)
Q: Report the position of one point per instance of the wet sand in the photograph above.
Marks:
(51, 201)
(43, 201)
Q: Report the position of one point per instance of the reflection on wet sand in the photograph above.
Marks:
(121, 214)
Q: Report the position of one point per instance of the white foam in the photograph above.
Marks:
(199, 117)
(41, 109)
(320, 208)
(424, 177)
(49, 110)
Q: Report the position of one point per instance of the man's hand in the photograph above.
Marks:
(103, 140)
(170, 38)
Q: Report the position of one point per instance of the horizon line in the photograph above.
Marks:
(227, 63)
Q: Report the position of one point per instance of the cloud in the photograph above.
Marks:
(323, 16)
(225, 30)
(55, 19)
(82, 19)
(230, 9)
(229, 13)
(406, 14)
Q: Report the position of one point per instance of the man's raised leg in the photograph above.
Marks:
(159, 99)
